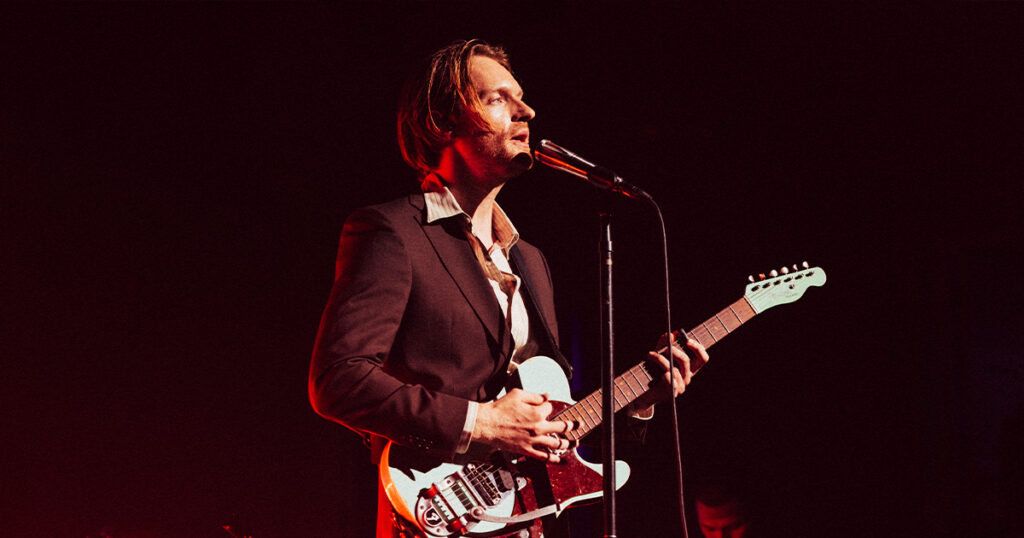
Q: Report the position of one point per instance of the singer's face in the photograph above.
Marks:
(503, 152)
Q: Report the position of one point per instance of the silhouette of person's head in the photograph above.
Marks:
(722, 509)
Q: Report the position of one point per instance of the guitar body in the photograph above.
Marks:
(442, 498)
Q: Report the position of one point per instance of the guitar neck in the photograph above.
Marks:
(637, 381)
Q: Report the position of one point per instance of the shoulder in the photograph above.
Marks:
(528, 249)
(530, 253)
(409, 205)
(379, 236)
(395, 214)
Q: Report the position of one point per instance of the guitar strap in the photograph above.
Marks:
(536, 313)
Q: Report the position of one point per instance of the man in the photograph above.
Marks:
(436, 299)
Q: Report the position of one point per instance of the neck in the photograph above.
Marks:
(475, 196)
(479, 205)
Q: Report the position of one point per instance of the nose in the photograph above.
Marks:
(522, 111)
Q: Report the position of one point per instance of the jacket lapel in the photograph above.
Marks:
(458, 259)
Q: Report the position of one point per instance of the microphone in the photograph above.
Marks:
(559, 158)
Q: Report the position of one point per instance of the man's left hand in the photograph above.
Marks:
(662, 389)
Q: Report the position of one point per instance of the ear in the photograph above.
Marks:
(447, 126)
(447, 134)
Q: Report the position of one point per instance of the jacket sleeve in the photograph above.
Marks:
(348, 381)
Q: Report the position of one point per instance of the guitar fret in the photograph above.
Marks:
(735, 314)
(580, 428)
(729, 319)
(574, 414)
(701, 335)
(632, 372)
(586, 421)
(641, 388)
(709, 331)
(626, 382)
(584, 426)
(745, 309)
(717, 330)
(639, 384)
(725, 328)
(581, 416)
(595, 405)
(615, 396)
(640, 369)
(650, 375)
(590, 412)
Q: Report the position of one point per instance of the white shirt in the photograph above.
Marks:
(441, 204)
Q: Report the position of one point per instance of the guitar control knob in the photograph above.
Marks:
(785, 270)
(805, 265)
(750, 278)
(760, 276)
(774, 273)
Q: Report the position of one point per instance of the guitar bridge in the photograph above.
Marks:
(444, 508)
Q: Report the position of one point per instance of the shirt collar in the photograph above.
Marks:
(441, 204)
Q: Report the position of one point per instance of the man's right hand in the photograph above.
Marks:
(517, 422)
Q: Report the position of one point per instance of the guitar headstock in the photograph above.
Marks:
(782, 286)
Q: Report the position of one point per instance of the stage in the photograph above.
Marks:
(176, 177)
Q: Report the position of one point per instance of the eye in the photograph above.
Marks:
(495, 100)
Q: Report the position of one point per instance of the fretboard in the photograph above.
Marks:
(636, 381)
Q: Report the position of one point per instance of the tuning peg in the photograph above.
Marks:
(750, 278)
(795, 268)
(785, 270)
(773, 274)
(760, 276)
(805, 265)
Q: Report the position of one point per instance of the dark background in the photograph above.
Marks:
(175, 178)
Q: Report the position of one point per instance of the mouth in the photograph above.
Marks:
(522, 136)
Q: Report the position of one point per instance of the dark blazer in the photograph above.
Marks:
(412, 330)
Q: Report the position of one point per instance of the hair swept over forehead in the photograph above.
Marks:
(438, 94)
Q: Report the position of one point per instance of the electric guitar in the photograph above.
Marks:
(507, 494)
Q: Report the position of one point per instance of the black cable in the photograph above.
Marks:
(672, 370)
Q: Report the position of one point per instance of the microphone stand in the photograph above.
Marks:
(608, 371)
(559, 158)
